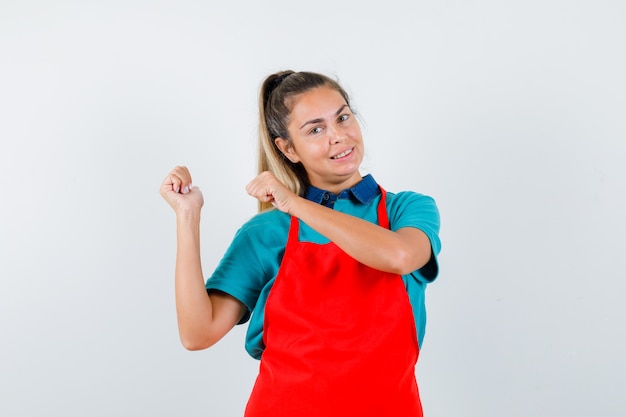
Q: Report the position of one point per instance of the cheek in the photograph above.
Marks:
(310, 152)
(316, 146)
(355, 131)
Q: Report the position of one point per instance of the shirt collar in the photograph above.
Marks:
(364, 191)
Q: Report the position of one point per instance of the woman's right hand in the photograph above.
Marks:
(179, 192)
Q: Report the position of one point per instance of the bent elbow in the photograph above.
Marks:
(194, 343)
(405, 262)
(192, 347)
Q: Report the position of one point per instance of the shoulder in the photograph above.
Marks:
(410, 202)
(267, 221)
(404, 196)
(266, 229)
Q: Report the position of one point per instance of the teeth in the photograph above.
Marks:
(342, 154)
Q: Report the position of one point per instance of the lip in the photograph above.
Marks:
(346, 157)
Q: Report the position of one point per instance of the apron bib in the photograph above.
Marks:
(340, 338)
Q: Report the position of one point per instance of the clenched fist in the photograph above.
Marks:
(179, 192)
(268, 189)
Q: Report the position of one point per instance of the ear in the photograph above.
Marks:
(287, 149)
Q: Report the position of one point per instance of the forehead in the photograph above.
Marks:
(319, 102)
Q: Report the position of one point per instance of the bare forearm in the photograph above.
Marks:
(193, 305)
(399, 252)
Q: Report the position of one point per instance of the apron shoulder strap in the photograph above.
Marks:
(294, 229)
(383, 218)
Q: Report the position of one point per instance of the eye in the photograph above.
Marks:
(343, 117)
(315, 130)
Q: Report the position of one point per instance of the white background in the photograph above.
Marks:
(510, 114)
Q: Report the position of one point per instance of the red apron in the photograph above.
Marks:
(340, 338)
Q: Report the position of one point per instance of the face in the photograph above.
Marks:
(325, 138)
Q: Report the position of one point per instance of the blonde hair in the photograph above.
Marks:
(276, 97)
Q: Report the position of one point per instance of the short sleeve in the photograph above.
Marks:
(252, 259)
(410, 209)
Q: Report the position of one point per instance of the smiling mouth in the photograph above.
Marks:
(342, 154)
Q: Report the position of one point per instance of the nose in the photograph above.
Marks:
(336, 135)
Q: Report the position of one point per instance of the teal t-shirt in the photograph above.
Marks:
(250, 265)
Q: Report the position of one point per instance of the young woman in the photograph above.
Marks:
(331, 273)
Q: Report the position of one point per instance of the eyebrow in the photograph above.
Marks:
(321, 120)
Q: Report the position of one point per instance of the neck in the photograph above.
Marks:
(338, 186)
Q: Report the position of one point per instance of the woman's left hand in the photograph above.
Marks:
(268, 189)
